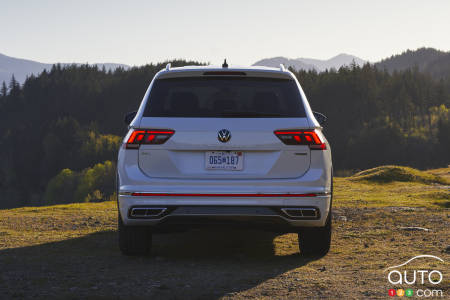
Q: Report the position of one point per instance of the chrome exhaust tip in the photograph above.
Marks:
(301, 212)
(147, 212)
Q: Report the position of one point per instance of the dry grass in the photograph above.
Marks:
(385, 174)
(70, 251)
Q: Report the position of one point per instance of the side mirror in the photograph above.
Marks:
(321, 118)
(129, 117)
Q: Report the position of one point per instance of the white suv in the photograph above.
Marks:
(224, 146)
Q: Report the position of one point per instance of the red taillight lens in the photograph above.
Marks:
(148, 137)
(301, 137)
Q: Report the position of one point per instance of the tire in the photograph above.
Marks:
(315, 241)
(134, 240)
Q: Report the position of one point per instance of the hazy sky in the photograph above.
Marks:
(138, 32)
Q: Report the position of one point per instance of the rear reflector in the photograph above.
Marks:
(143, 194)
(148, 137)
(301, 137)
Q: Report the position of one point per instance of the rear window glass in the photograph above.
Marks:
(218, 97)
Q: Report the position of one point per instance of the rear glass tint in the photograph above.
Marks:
(219, 97)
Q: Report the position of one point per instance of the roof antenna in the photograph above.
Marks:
(225, 65)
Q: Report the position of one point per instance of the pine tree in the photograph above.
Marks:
(14, 87)
(4, 90)
(13, 83)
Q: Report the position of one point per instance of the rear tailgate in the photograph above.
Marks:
(184, 155)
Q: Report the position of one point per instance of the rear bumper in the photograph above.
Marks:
(284, 213)
(200, 193)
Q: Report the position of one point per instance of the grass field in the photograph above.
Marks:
(70, 251)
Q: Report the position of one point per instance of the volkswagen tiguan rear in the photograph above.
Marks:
(225, 146)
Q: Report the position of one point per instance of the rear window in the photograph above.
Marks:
(218, 97)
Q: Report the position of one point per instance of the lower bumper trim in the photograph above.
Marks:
(160, 213)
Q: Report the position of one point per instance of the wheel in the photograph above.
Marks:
(315, 240)
(134, 240)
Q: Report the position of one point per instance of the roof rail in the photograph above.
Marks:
(282, 68)
(168, 67)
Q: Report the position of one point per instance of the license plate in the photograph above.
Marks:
(224, 160)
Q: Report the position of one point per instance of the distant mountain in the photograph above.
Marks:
(335, 62)
(310, 63)
(21, 68)
(428, 60)
(275, 62)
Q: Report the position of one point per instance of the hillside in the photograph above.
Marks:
(427, 60)
(312, 64)
(70, 251)
(21, 68)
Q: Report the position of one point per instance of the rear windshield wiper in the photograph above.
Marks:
(248, 114)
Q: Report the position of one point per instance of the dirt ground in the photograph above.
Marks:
(71, 252)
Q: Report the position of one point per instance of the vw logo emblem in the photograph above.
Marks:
(224, 135)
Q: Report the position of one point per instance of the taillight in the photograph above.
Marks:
(301, 137)
(148, 137)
